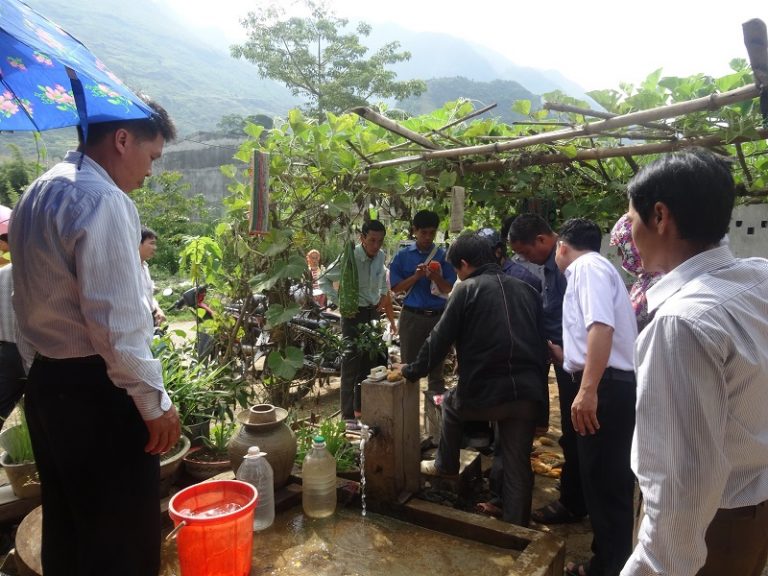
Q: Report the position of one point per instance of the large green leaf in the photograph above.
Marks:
(279, 315)
(286, 366)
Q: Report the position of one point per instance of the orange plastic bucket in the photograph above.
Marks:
(217, 536)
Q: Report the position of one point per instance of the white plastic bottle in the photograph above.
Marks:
(318, 474)
(256, 470)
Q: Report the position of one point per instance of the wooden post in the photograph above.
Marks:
(393, 455)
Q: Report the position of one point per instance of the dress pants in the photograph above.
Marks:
(571, 492)
(12, 378)
(607, 478)
(516, 423)
(737, 542)
(413, 330)
(355, 367)
(100, 490)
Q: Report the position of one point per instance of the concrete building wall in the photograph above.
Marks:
(198, 160)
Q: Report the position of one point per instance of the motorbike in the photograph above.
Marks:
(315, 330)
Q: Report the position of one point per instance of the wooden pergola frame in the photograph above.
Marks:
(756, 41)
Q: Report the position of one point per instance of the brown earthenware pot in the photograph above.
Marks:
(264, 425)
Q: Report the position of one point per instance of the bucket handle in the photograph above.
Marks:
(175, 532)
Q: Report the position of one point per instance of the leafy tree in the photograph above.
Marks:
(164, 207)
(14, 176)
(316, 59)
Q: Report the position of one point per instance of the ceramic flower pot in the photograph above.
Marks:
(170, 462)
(264, 425)
(23, 478)
(202, 464)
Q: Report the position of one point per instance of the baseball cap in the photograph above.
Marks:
(491, 235)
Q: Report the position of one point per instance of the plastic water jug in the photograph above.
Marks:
(318, 474)
(256, 470)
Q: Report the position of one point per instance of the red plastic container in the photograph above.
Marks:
(217, 538)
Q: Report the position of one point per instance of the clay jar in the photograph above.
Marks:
(263, 425)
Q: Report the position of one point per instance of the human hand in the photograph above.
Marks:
(584, 412)
(421, 271)
(555, 353)
(392, 326)
(164, 432)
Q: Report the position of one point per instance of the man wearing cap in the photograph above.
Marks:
(414, 270)
(508, 266)
(12, 377)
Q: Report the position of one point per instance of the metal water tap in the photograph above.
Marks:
(368, 432)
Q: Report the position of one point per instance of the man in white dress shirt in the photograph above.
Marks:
(700, 448)
(98, 413)
(599, 331)
(147, 250)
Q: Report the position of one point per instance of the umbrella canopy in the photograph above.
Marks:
(48, 79)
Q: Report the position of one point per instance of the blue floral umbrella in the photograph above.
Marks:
(48, 79)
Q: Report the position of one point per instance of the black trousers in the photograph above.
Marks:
(516, 422)
(355, 366)
(571, 492)
(607, 478)
(12, 378)
(100, 490)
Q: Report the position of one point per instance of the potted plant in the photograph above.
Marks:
(212, 457)
(198, 389)
(18, 460)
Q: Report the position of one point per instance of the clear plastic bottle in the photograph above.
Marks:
(256, 470)
(318, 473)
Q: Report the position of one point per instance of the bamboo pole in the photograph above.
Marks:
(602, 153)
(469, 116)
(597, 114)
(711, 102)
(757, 48)
(393, 126)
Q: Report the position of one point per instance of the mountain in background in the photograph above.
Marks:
(146, 45)
(191, 73)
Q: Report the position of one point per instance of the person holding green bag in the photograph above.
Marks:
(362, 292)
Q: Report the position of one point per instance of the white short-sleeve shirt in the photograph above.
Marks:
(596, 293)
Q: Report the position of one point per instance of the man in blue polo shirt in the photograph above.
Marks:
(413, 271)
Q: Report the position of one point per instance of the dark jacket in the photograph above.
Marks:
(495, 321)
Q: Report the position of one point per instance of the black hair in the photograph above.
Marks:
(159, 123)
(147, 233)
(582, 234)
(472, 248)
(696, 186)
(526, 227)
(425, 219)
(372, 226)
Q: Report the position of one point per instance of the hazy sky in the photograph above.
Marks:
(597, 43)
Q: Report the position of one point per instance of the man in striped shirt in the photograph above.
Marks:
(700, 448)
(98, 413)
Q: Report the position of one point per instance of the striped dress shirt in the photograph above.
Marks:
(7, 317)
(701, 438)
(76, 271)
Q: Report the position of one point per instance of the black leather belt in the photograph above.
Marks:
(609, 374)
(423, 311)
(95, 359)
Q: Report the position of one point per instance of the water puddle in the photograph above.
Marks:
(348, 544)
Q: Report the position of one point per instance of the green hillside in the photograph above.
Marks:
(152, 52)
(501, 92)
